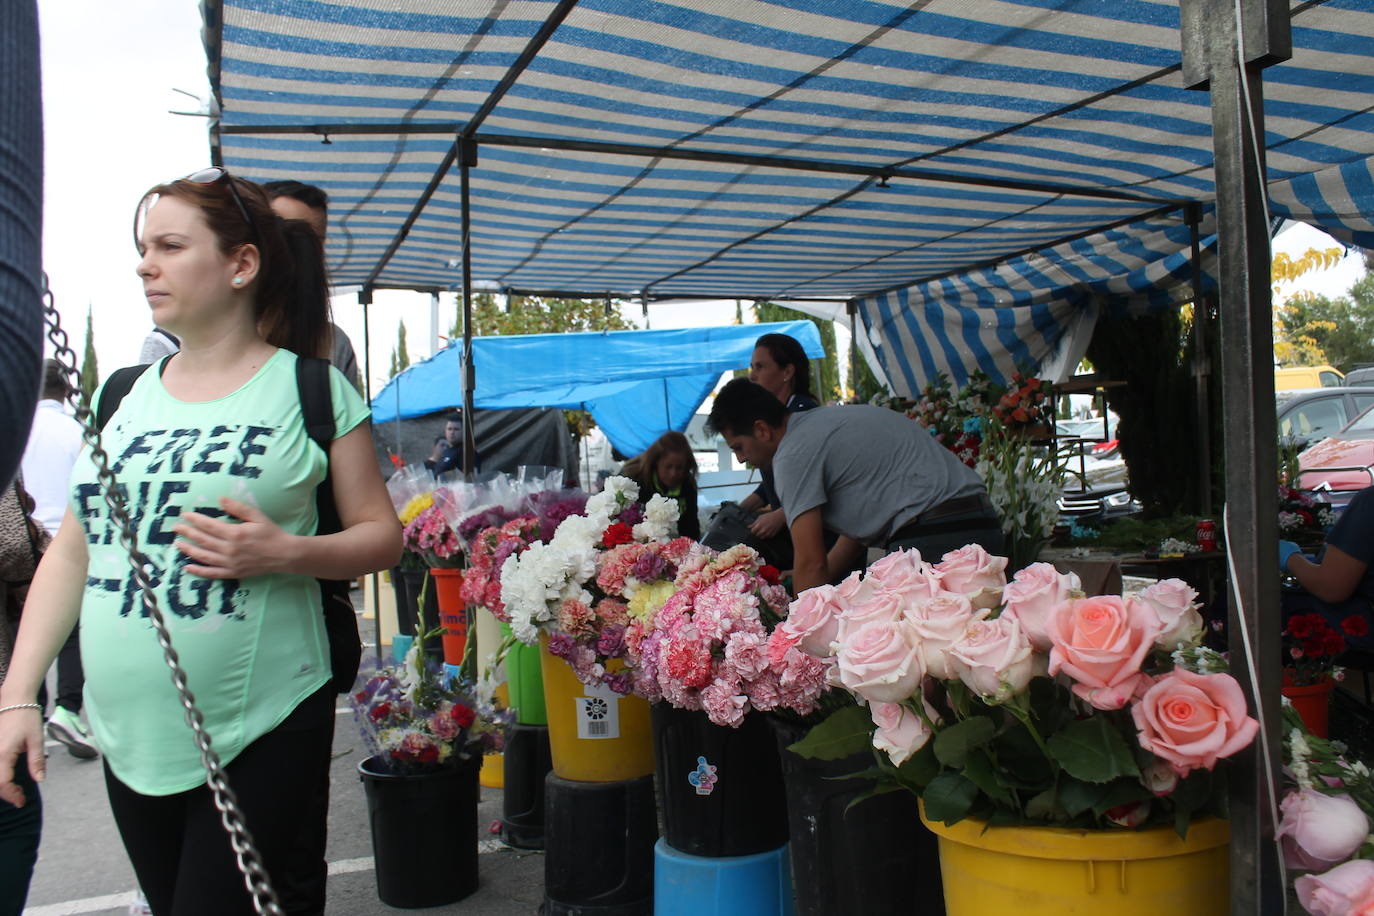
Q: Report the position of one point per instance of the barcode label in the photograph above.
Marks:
(598, 713)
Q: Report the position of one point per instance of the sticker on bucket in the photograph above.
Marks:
(703, 777)
(598, 713)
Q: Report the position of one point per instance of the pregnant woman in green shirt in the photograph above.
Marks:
(220, 474)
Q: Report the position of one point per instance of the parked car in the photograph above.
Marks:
(1342, 462)
(1364, 375)
(1308, 415)
(1308, 377)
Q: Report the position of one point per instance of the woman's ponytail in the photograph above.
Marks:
(293, 307)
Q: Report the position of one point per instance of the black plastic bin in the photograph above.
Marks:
(721, 788)
(874, 858)
(527, 762)
(599, 847)
(418, 582)
(424, 833)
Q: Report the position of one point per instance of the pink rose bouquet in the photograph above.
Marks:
(1325, 823)
(709, 647)
(1023, 701)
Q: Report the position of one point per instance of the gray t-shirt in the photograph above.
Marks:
(870, 470)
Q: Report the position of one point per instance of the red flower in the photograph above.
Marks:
(1355, 625)
(770, 574)
(428, 754)
(617, 534)
(463, 715)
(1314, 648)
(1299, 627)
(380, 712)
(1333, 643)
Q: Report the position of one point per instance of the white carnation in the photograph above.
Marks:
(660, 519)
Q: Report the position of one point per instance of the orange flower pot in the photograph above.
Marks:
(453, 614)
(1312, 701)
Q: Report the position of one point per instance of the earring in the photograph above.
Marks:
(238, 281)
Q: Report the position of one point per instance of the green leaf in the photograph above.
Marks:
(952, 744)
(1021, 758)
(1093, 751)
(1046, 806)
(1121, 792)
(846, 732)
(875, 791)
(949, 798)
(983, 772)
(919, 769)
(1077, 796)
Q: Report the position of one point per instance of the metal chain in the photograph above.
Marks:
(255, 877)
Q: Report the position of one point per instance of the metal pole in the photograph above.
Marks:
(365, 297)
(466, 159)
(434, 322)
(1202, 363)
(852, 307)
(1226, 45)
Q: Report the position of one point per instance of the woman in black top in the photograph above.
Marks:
(669, 469)
(780, 365)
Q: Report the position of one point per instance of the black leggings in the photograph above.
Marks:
(180, 850)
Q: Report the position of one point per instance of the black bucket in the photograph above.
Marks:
(721, 788)
(527, 762)
(418, 582)
(424, 833)
(861, 859)
(599, 847)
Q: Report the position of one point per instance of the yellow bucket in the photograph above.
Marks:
(1046, 871)
(595, 735)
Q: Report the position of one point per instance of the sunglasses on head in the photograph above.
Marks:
(214, 175)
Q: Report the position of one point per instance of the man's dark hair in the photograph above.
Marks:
(739, 404)
(55, 386)
(453, 418)
(307, 194)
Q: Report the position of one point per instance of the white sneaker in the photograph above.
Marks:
(66, 727)
(139, 906)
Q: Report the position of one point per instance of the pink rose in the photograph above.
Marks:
(880, 607)
(904, 574)
(1346, 890)
(938, 624)
(993, 659)
(975, 573)
(1319, 830)
(1033, 594)
(880, 663)
(900, 731)
(1100, 643)
(813, 617)
(854, 590)
(1174, 602)
(1192, 720)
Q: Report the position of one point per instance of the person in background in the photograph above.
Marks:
(51, 451)
(290, 200)
(211, 446)
(867, 474)
(668, 468)
(22, 541)
(1338, 582)
(447, 454)
(780, 366)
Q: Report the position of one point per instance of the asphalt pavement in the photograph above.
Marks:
(82, 868)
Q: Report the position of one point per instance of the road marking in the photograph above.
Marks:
(122, 901)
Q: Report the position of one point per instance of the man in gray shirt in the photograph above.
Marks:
(868, 474)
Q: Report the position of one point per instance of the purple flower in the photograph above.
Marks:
(561, 645)
(648, 566)
(632, 514)
(611, 642)
(619, 682)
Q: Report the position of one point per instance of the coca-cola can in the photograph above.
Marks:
(1207, 534)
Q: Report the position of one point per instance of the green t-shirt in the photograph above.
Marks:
(252, 648)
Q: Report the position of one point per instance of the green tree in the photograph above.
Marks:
(862, 382)
(1341, 330)
(90, 374)
(825, 372)
(400, 355)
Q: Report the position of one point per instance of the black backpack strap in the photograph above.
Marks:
(116, 387)
(317, 408)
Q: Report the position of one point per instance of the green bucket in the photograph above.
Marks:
(525, 682)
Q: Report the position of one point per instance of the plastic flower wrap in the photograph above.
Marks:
(708, 647)
(1058, 708)
(413, 721)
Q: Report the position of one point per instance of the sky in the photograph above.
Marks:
(110, 75)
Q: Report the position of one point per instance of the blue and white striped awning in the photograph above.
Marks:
(890, 152)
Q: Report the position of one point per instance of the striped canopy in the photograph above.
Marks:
(975, 173)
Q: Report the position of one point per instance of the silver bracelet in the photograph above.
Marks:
(21, 706)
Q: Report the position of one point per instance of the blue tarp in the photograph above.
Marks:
(636, 384)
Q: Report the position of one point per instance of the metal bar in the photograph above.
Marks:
(1202, 360)
(993, 262)
(785, 163)
(469, 377)
(367, 394)
(463, 144)
(1226, 44)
